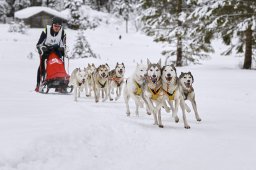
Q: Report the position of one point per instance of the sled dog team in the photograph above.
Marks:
(151, 85)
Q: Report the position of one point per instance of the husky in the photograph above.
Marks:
(171, 89)
(133, 88)
(90, 71)
(153, 91)
(187, 90)
(100, 82)
(116, 80)
(78, 81)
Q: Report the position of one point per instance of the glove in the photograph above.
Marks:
(55, 46)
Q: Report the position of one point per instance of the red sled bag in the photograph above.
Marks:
(55, 68)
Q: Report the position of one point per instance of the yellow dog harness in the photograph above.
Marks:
(170, 96)
(155, 93)
(138, 90)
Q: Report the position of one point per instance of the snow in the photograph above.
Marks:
(31, 11)
(52, 132)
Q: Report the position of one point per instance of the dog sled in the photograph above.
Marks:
(56, 76)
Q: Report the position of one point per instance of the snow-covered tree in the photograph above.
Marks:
(82, 47)
(20, 4)
(51, 3)
(74, 6)
(4, 10)
(167, 22)
(18, 27)
(233, 21)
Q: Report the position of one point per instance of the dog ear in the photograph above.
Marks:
(191, 76)
(159, 62)
(93, 65)
(162, 69)
(89, 65)
(141, 62)
(79, 69)
(148, 61)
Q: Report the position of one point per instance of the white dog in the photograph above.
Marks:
(100, 82)
(186, 81)
(116, 80)
(90, 71)
(134, 87)
(78, 81)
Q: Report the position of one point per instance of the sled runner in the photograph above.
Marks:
(56, 76)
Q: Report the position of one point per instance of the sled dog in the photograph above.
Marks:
(116, 80)
(187, 90)
(171, 89)
(133, 88)
(153, 91)
(100, 82)
(90, 71)
(78, 81)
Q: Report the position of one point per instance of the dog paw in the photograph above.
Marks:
(87, 95)
(161, 126)
(111, 99)
(96, 101)
(199, 119)
(177, 119)
(187, 127)
(128, 114)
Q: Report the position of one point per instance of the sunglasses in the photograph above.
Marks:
(56, 25)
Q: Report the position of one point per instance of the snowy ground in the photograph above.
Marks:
(52, 132)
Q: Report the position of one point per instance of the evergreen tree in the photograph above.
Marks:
(82, 48)
(20, 4)
(74, 7)
(51, 3)
(167, 21)
(232, 20)
(4, 10)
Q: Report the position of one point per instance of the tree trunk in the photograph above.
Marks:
(126, 23)
(248, 49)
(178, 35)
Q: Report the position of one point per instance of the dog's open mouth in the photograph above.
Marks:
(168, 78)
(153, 79)
(187, 85)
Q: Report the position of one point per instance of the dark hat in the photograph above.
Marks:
(56, 20)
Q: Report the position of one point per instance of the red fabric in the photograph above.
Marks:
(55, 68)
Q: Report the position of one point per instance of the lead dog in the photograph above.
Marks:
(133, 88)
(153, 91)
(100, 82)
(186, 81)
(116, 80)
(171, 89)
(78, 81)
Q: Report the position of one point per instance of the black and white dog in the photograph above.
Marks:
(116, 80)
(187, 90)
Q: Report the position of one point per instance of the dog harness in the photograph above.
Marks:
(155, 93)
(138, 90)
(102, 85)
(118, 80)
(170, 96)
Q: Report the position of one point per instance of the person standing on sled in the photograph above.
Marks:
(53, 38)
